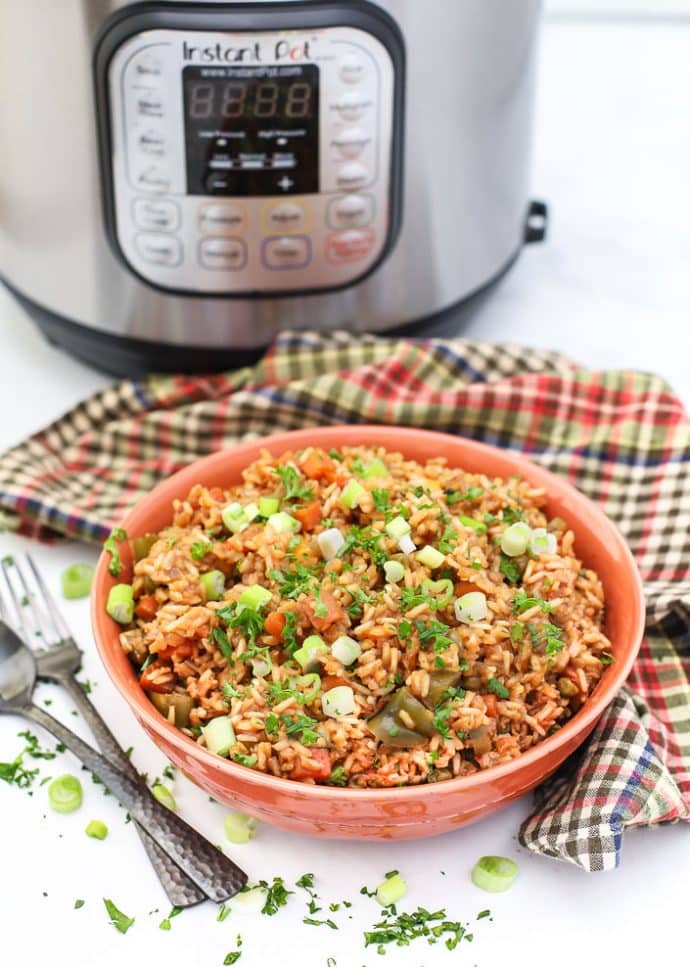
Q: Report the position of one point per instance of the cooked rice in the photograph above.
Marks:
(518, 676)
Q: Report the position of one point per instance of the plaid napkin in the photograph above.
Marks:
(621, 437)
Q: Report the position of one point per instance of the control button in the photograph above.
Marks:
(351, 69)
(352, 175)
(285, 183)
(218, 183)
(153, 178)
(287, 216)
(223, 253)
(222, 220)
(151, 142)
(150, 105)
(148, 66)
(156, 216)
(351, 142)
(158, 248)
(349, 246)
(352, 105)
(286, 252)
(350, 211)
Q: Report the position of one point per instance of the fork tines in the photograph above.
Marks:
(33, 611)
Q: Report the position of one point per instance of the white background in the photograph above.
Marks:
(611, 287)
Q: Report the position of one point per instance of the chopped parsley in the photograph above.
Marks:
(272, 724)
(246, 620)
(165, 922)
(455, 496)
(295, 489)
(337, 776)
(364, 540)
(318, 923)
(381, 499)
(441, 716)
(219, 636)
(517, 631)
(359, 599)
(276, 895)
(229, 692)
(433, 635)
(295, 581)
(118, 919)
(336, 455)
(402, 928)
(78, 904)
(289, 633)
(223, 911)
(321, 608)
(116, 536)
(605, 658)
(14, 772)
(512, 514)
(498, 688)
(523, 602)
(301, 724)
(448, 540)
(553, 642)
(405, 630)
(510, 569)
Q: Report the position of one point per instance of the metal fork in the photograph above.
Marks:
(57, 660)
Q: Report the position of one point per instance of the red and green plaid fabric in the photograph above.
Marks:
(622, 438)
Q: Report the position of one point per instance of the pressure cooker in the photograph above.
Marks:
(181, 181)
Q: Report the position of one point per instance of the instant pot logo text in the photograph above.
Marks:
(255, 53)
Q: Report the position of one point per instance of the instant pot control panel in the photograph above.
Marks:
(252, 150)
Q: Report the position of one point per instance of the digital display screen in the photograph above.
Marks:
(252, 130)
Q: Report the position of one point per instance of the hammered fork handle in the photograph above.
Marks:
(179, 888)
(211, 870)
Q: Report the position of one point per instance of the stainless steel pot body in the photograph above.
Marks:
(469, 91)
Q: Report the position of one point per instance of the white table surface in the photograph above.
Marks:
(611, 288)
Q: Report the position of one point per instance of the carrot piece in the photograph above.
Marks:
(490, 702)
(332, 681)
(309, 516)
(465, 587)
(176, 645)
(150, 686)
(335, 612)
(146, 608)
(274, 624)
(318, 466)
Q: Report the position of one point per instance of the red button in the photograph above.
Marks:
(349, 246)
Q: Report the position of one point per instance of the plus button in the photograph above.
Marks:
(285, 183)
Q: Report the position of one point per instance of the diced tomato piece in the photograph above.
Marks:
(335, 612)
(146, 608)
(490, 702)
(309, 516)
(332, 681)
(319, 466)
(321, 770)
(147, 683)
(274, 624)
(176, 645)
(465, 587)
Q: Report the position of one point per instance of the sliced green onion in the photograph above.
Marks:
(495, 874)
(268, 506)
(542, 542)
(234, 518)
(251, 512)
(397, 528)
(309, 686)
(407, 545)
(213, 583)
(330, 542)
(394, 571)
(375, 468)
(239, 828)
(391, 890)
(261, 667)
(65, 794)
(430, 557)
(164, 796)
(346, 649)
(255, 597)
(76, 581)
(219, 735)
(338, 701)
(442, 590)
(120, 603)
(283, 523)
(514, 539)
(352, 494)
(471, 607)
(312, 649)
(476, 525)
(96, 829)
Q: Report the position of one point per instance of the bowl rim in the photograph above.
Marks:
(395, 438)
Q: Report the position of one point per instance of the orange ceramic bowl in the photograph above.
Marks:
(401, 813)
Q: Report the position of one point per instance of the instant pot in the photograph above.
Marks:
(180, 180)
